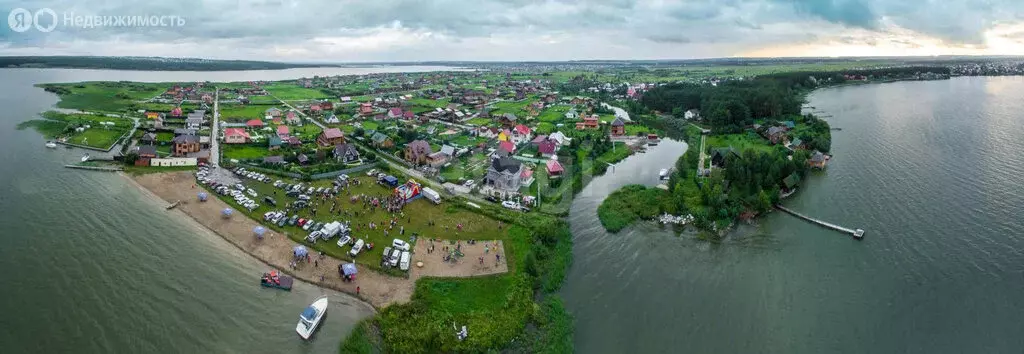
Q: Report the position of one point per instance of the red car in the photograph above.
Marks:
(302, 222)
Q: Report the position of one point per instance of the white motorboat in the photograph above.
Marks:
(311, 317)
(51, 144)
(85, 158)
(663, 174)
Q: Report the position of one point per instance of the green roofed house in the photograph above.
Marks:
(795, 144)
(719, 155)
(382, 141)
(791, 181)
(274, 142)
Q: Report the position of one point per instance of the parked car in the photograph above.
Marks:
(403, 264)
(301, 222)
(308, 225)
(400, 245)
(294, 220)
(270, 200)
(344, 241)
(395, 255)
(356, 248)
(386, 256)
(510, 204)
(372, 172)
(303, 197)
(251, 192)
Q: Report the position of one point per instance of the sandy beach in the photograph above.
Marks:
(276, 249)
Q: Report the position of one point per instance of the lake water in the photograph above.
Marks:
(934, 172)
(93, 265)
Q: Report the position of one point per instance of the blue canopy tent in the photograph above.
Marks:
(202, 196)
(259, 231)
(349, 269)
(226, 212)
(300, 251)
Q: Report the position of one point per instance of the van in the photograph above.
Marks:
(270, 200)
(356, 248)
(386, 256)
(395, 255)
(404, 262)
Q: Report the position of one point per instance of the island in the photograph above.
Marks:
(447, 191)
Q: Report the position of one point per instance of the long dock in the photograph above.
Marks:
(857, 233)
(95, 168)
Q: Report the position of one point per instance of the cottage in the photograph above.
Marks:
(504, 174)
(487, 132)
(314, 108)
(274, 142)
(818, 160)
(554, 169)
(795, 144)
(294, 141)
(346, 153)
(148, 138)
(194, 122)
(327, 105)
(332, 119)
(272, 112)
(526, 177)
(719, 156)
(302, 159)
(692, 114)
(235, 136)
(147, 151)
(184, 144)
(560, 138)
(547, 147)
(254, 123)
(181, 131)
(282, 131)
(521, 133)
(395, 113)
(437, 159)
(366, 108)
(176, 112)
(618, 127)
(775, 134)
(417, 152)
(409, 115)
(331, 137)
(507, 146)
(508, 119)
(380, 140)
(346, 99)
(589, 122)
(571, 114)
(292, 117)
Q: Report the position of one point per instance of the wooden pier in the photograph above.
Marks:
(95, 168)
(857, 233)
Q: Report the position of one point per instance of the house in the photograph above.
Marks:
(381, 141)
(795, 144)
(589, 122)
(302, 159)
(331, 137)
(417, 151)
(504, 135)
(181, 131)
(508, 119)
(437, 159)
(487, 132)
(547, 147)
(147, 152)
(395, 112)
(818, 160)
(294, 141)
(272, 112)
(790, 183)
(184, 144)
(207, 98)
(692, 114)
(504, 174)
(554, 169)
(274, 142)
(560, 138)
(618, 127)
(254, 123)
(158, 122)
(327, 105)
(526, 177)
(366, 108)
(346, 153)
(507, 146)
(235, 136)
(194, 122)
(346, 99)
(292, 117)
(789, 124)
(521, 134)
(148, 138)
(152, 115)
(176, 112)
(314, 108)
(274, 160)
(571, 114)
(282, 131)
(775, 134)
(409, 115)
(719, 156)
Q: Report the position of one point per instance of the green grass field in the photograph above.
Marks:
(241, 152)
(553, 114)
(105, 96)
(246, 111)
(97, 137)
(740, 142)
(479, 121)
(290, 91)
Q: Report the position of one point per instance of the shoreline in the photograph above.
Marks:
(275, 250)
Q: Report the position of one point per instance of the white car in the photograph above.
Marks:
(395, 255)
(307, 225)
(356, 248)
(404, 262)
(373, 172)
(400, 245)
(344, 241)
(251, 192)
(510, 204)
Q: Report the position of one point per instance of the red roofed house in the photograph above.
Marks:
(365, 108)
(394, 112)
(327, 106)
(176, 112)
(554, 168)
(282, 131)
(589, 122)
(235, 136)
(547, 147)
(618, 127)
(291, 117)
(254, 123)
(507, 147)
(314, 108)
(521, 133)
(409, 115)
(331, 137)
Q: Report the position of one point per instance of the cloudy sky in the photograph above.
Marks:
(421, 30)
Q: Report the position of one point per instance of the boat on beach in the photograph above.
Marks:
(311, 317)
(277, 281)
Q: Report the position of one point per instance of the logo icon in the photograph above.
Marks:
(20, 20)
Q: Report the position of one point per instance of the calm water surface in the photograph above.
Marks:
(93, 265)
(934, 171)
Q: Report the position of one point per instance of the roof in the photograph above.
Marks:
(506, 164)
(273, 159)
(509, 116)
(302, 158)
(309, 314)
(342, 149)
(395, 111)
(448, 150)
(526, 173)
(419, 147)
(254, 123)
(282, 129)
(149, 136)
(539, 139)
(234, 131)
(817, 157)
(185, 139)
(379, 137)
(522, 129)
(147, 150)
(333, 133)
(506, 146)
(408, 114)
(274, 141)
(796, 142)
(776, 130)
(554, 166)
(547, 147)
(791, 181)
(618, 122)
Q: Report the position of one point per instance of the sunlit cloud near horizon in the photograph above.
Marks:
(424, 30)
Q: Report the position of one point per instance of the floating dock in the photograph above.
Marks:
(95, 168)
(856, 233)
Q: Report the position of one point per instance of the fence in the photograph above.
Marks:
(333, 174)
(174, 161)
